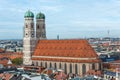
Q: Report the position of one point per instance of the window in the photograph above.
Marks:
(26, 26)
(41, 64)
(55, 66)
(36, 63)
(50, 65)
(43, 26)
(60, 66)
(100, 66)
(46, 64)
(93, 66)
(76, 69)
(38, 27)
(65, 68)
(70, 68)
(83, 69)
(32, 25)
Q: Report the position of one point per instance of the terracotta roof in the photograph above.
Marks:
(65, 48)
(11, 55)
(94, 72)
(1, 50)
(5, 76)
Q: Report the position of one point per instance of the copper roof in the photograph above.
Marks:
(64, 48)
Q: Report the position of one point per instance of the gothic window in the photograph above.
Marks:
(65, 68)
(43, 26)
(32, 25)
(55, 66)
(60, 66)
(76, 69)
(50, 65)
(38, 27)
(83, 69)
(100, 66)
(70, 68)
(93, 66)
(41, 64)
(26, 26)
(36, 63)
(46, 64)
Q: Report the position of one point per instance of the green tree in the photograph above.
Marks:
(17, 61)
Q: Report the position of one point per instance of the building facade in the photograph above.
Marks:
(73, 56)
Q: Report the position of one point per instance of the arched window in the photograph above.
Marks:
(26, 26)
(65, 68)
(55, 66)
(41, 64)
(93, 66)
(100, 66)
(50, 65)
(32, 25)
(46, 64)
(43, 26)
(36, 63)
(70, 68)
(38, 27)
(83, 69)
(60, 66)
(76, 69)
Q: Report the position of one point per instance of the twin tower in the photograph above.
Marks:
(31, 36)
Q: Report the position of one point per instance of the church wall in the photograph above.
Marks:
(79, 66)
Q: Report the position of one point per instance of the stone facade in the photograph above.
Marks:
(30, 36)
(75, 68)
(28, 41)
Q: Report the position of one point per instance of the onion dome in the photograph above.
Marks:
(40, 16)
(29, 14)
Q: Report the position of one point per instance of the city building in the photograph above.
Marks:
(72, 55)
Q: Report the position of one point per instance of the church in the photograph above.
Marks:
(72, 55)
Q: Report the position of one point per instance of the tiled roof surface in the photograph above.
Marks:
(94, 72)
(11, 55)
(1, 50)
(65, 48)
(5, 76)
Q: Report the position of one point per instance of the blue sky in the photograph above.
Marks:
(66, 18)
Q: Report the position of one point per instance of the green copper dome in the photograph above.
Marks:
(40, 16)
(29, 14)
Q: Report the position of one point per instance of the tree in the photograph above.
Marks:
(17, 61)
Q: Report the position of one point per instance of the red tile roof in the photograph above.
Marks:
(11, 55)
(5, 76)
(64, 48)
(94, 72)
(1, 50)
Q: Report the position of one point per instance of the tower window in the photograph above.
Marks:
(38, 27)
(43, 26)
(26, 26)
(31, 25)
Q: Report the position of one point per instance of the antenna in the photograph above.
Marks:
(58, 37)
(108, 32)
